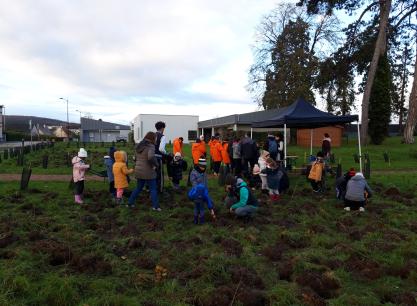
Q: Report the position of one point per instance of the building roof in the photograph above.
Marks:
(240, 119)
(92, 124)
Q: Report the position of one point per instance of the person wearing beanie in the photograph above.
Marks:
(262, 166)
(108, 163)
(198, 174)
(341, 184)
(120, 172)
(175, 168)
(78, 174)
(200, 196)
(246, 204)
(273, 177)
(357, 192)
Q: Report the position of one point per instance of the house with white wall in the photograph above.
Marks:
(184, 126)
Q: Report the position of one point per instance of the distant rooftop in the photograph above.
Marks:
(92, 124)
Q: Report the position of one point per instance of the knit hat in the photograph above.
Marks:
(82, 153)
(177, 156)
(351, 172)
(256, 170)
(201, 137)
(202, 162)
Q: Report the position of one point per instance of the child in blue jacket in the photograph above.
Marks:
(199, 195)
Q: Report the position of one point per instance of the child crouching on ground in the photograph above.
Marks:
(120, 172)
(175, 168)
(273, 177)
(78, 174)
(199, 195)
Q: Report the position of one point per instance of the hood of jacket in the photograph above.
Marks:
(241, 183)
(357, 177)
(119, 156)
(143, 145)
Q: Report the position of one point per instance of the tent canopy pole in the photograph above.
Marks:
(359, 147)
(311, 142)
(285, 145)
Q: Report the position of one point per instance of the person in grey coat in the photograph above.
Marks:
(145, 170)
(357, 191)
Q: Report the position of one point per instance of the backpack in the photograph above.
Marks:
(284, 182)
(316, 172)
(272, 146)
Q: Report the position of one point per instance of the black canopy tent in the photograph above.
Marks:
(302, 114)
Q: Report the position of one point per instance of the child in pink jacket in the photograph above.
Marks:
(78, 174)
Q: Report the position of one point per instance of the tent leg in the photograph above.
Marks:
(311, 142)
(285, 145)
(251, 132)
(360, 149)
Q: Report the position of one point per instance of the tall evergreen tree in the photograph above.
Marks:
(293, 67)
(380, 102)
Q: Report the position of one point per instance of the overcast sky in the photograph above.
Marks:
(116, 59)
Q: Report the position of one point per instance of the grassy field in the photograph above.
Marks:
(304, 250)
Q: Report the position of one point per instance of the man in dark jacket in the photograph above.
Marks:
(160, 153)
(249, 154)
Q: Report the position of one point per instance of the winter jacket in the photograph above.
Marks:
(271, 145)
(199, 193)
(198, 177)
(216, 151)
(120, 170)
(78, 169)
(198, 149)
(225, 153)
(177, 146)
(108, 162)
(175, 169)
(248, 149)
(356, 187)
(146, 162)
(326, 146)
(273, 177)
(236, 150)
(245, 197)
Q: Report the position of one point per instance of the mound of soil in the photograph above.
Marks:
(296, 242)
(58, 253)
(35, 235)
(129, 230)
(134, 243)
(363, 267)
(222, 296)
(404, 271)
(286, 223)
(91, 264)
(32, 209)
(50, 195)
(246, 276)
(145, 262)
(392, 191)
(324, 284)
(400, 298)
(310, 298)
(232, 247)
(7, 239)
(274, 253)
(250, 297)
(285, 270)
(154, 226)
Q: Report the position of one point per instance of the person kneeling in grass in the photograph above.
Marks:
(247, 204)
(357, 191)
(120, 172)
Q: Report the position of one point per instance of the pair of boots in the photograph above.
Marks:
(78, 199)
(274, 197)
(196, 219)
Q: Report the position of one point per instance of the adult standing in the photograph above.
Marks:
(177, 146)
(216, 153)
(198, 149)
(271, 145)
(280, 142)
(326, 145)
(160, 154)
(146, 170)
(237, 157)
(248, 150)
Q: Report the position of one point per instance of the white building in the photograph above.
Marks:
(184, 126)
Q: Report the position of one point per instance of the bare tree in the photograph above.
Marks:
(412, 110)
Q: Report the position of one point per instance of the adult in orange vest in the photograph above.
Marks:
(216, 154)
(225, 155)
(198, 149)
(177, 146)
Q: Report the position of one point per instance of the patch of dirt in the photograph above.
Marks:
(91, 264)
(154, 226)
(286, 223)
(392, 191)
(246, 276)
(404, 271)
(309, 208)
(324, 284)
(129, 230)
(250, 297)
(50, 195)
(344, 224)
(310, 298)
(285, 270)
(221, 296)
(145, 262)
(58, 253)
(7, 239)
(134, 243)
(317, 228)
(296, 242)
(232, 247)
(94, 207)
(333, 264)
(151, 244)
(226, 296)
(35, 235)
(274, 253)
(118, 250)
(29, 207)
(400, 298)
(363, 267)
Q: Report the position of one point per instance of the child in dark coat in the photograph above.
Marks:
(273, 177)
(175, 168)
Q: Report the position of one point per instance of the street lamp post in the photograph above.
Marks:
(67, 117)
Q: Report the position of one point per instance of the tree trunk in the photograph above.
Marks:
(412, 111)
(380, 48)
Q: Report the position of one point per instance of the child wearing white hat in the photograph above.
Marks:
(78, 174)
